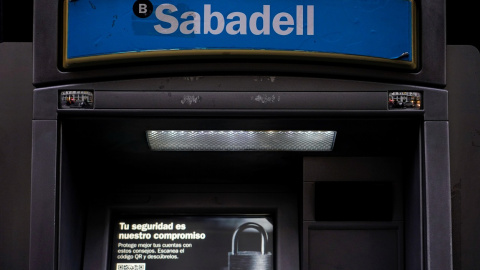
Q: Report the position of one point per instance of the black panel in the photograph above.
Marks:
(353, 201)
(354, 248)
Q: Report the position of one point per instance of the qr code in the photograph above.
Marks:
(130, 266)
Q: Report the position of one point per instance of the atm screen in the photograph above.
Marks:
(192, 242)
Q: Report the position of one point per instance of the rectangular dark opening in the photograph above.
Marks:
(354, 201)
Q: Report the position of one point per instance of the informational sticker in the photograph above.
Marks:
(190, 242)
(98, 31)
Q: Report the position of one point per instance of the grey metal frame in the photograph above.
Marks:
(301, 97)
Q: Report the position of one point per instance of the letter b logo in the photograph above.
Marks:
(142, 8)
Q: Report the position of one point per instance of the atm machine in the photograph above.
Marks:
(240, 135)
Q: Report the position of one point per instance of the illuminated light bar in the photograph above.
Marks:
(239, 140)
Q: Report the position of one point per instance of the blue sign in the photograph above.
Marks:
(360, 30)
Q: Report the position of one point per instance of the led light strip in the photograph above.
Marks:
(240, 140)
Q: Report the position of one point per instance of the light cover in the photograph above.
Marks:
(240, 140)
(76, 99)
(405, 100)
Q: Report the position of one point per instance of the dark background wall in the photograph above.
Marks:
(16, 113)
(16, 20)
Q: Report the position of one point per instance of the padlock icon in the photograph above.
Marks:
(250, 260)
